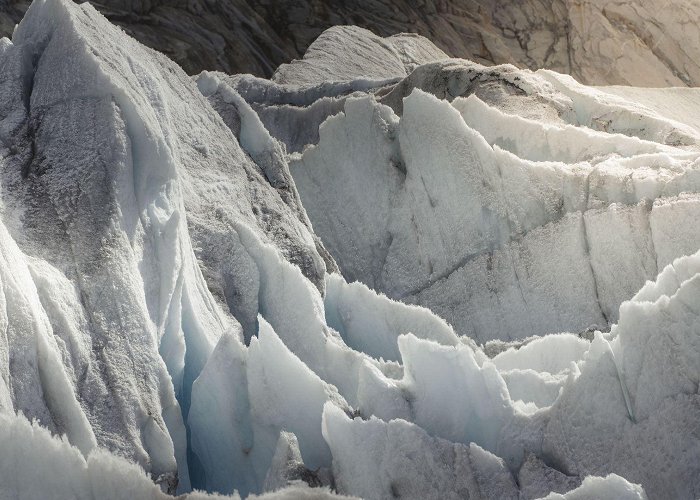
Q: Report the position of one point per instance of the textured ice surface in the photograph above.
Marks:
(345, 53)
(611, 487)
(504, 225)
(122, 267)
(170, 317)
(378, 459)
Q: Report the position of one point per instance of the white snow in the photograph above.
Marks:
(611, 487)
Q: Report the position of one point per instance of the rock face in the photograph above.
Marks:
(643, 42)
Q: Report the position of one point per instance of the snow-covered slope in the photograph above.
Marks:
(170, 318)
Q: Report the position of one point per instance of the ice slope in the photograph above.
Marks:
(679, 104)
(43, 466)
(401, 460)
(168, 319)
(345, 53)
(121, 267)
(653, 354)
(525, 164)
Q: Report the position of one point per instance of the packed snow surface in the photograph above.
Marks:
(382, 274)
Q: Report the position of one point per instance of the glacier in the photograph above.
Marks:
(381, 273)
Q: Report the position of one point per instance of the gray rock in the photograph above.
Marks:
(644, 42)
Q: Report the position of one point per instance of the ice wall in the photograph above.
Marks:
(122, 268)
(505, 224)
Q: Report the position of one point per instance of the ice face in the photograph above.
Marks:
(557, 224)
(170, 317)
(115, 187)
(344, 53)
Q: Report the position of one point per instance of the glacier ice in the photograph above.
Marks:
(346, 53)
(382, 273)
(603, 488)
(400, 184)
(378, 459)
(98, 200)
